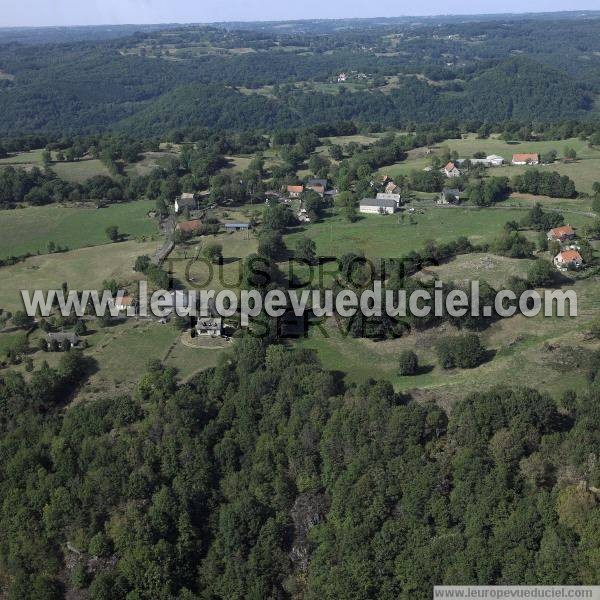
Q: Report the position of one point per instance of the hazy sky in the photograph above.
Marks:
(90, 12)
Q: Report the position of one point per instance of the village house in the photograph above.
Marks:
(317, 185)
(294, 191)
(210, 326)
(377, 206)
(390, 187)
(190, 226)
(342, 77)
(61, 337)
(449, 196)
(568, 259)
(562, 234)
(526, 159)
(186, 200)
(451, 170)
(124, 302)
(385, 196)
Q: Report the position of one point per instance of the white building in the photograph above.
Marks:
(386, 196)
(375, 206)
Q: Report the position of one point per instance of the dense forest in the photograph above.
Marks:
(153, 81)
(267, 478)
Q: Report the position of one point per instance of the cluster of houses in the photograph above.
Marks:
(319, 186)
(452, 169)
(569, 257)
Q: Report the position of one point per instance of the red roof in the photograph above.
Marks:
(450, 166)
(295, 189)
(192, 225)
(560, 232)
(532, 157)
(570, 256)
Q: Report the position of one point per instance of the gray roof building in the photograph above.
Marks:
(378, 202)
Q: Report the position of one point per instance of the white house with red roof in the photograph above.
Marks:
(562, 234)
(451, 170)
(568, 259)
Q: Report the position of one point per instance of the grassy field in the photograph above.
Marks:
(30, 229)
(529, 351)
(150, 161)
(484, 267)
(85, 268)
(122, 352)
(80, 171)
(584, 172)
(196, 273)
(386, 236)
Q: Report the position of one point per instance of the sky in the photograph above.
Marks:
(16, 13)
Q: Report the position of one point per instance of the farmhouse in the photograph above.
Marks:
(568, 259)
(526, 159)
(391, 187)
(449, 196)
(375, 206)
(386, 196)
(189, 226)
(186, 200)
(294, 191)
(451, 170)
(211, 326)
(562, 234)
(60, 338)
(317, 185)
(489, 161)
(237, 226)
(124, 302)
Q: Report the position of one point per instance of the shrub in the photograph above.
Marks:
(463, 352)
(408, 363)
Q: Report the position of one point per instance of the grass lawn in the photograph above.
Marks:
(85, 268)
(484, 267)
(30, 229)
(80, 171)
(238, 163)
(584, 172)
(189, 361)
(467, 146)
(532, 352)
(197, 274)
(122, 353)
(150, 161)
(24, 159)
(387, 236)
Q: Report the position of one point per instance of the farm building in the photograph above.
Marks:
(237, 226)
(385, 196)
(526, 159)
(124, 302)
(186, 200)
(562, 234)
(390, 187)
(451, 170)
(375, 206)
(317, 185)
(294, 191)
(212, 326)
(61, 337)
(489, 161)
(568, 259)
